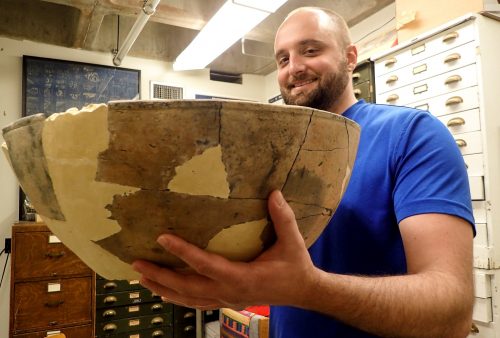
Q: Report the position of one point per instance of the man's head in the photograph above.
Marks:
(315, 59)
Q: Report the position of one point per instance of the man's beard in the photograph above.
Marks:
(328, 91)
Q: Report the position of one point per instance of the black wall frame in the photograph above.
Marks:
(53, 86)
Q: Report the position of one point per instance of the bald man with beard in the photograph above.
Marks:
(395, 259)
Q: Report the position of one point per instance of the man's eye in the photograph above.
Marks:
(282, 60)
(310, 51)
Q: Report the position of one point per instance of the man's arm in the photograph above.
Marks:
(433, 300)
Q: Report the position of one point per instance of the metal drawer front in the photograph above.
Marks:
(452, 102)
(462, 122)
(425, 49)
(469, 143)
(447, 61)
(139, 310)
(125, 298)
(476, 188)
(474, 164)
(133, 324)
(483, 310)
(439, 85)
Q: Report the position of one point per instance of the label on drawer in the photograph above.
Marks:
(53, 239)
(53, 287)
(136, 335)
(51, 333)
(133, 282)
(134, 295)
(133, 308)
(419, 69)
(134, 322)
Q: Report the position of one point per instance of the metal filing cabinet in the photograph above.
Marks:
(453, 72)
(363, 81)
(126, 309)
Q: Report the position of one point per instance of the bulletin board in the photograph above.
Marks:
(53, 86)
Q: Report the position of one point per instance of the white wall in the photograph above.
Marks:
(11, 52)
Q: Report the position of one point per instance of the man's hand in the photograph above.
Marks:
(281, 275)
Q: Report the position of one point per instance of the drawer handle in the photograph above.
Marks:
(391, 79)
(356, 76)
(189, 314)
(109, 327)
(454, 100)
(157, 333)
(109, 313)
(452, 57)
(474, 328)
(392, 98)
(157, 321)
(110, 285)
(54, 303)
(357, 92)
(53, 323)
(109, 299)
(461, 143)
(55, 254)
(156, 307)
(450, 36)
(189, 328)
(390, 62)
(453, 79)
(455, 122)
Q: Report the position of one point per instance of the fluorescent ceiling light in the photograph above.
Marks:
(233, 20)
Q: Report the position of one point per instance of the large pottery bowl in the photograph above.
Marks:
(108, 179)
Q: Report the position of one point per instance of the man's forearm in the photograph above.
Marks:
(424, 305)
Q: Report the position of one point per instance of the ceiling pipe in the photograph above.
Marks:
(147, 10)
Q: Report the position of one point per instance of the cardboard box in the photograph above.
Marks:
(416, 17)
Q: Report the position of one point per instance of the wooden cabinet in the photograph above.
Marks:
(51, 289)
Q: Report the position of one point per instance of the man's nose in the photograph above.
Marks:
(295, 65)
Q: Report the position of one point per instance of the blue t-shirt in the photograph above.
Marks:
(407, 164)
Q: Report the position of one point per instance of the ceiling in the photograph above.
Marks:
(102, 25)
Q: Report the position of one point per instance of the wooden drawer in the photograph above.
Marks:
(39, 305)
(84, 331)
(427, 68)
(440, 43)
(45, 257)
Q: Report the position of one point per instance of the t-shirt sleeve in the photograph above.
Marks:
(430, 173)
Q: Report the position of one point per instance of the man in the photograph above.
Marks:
(396, 258)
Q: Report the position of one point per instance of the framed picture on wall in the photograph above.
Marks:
(53, 86)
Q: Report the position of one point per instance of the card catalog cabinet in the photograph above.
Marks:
(454, 72)
(363, 81)
(51, 289)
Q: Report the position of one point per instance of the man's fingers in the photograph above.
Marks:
(203, 262)
(283, 218)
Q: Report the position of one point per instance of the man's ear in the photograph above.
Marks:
(351, 57)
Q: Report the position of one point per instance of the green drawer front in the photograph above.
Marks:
(134, 324)
(126, 298)
(138, 310)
